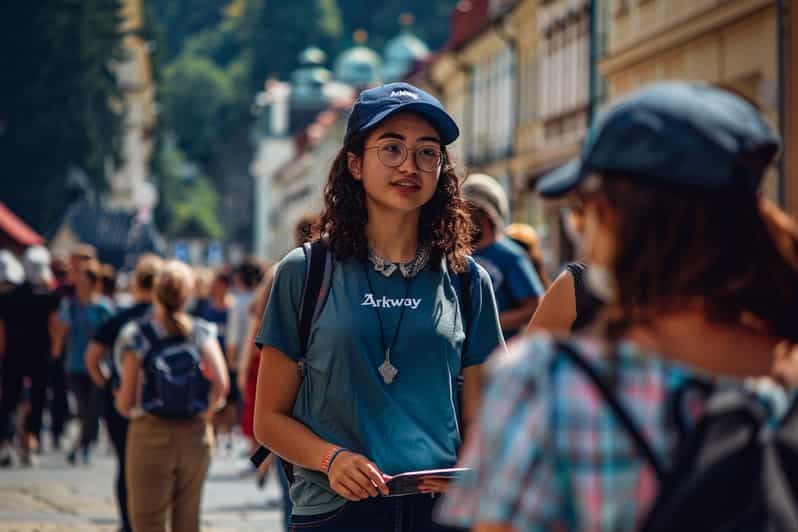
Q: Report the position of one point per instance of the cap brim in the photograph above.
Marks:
(440, 119)
(560, 181)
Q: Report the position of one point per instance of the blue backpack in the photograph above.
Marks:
(174, 386)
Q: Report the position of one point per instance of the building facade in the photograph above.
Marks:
(554, 73)
(129, 185)
(731, 44)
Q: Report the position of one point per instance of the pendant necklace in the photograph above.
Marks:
(387, 370)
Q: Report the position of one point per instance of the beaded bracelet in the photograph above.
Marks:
(331, 455)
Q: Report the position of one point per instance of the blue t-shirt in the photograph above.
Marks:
(407, 425)
(217, 316)
(514, 278)
(83, 321)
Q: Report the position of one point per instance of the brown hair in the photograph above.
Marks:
(147, 268)
(732, 253)
(173, 287)
(303, 229)
(444, 226)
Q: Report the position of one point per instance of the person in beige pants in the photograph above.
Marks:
(167, 459)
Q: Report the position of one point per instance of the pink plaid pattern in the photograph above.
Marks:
(549, 454)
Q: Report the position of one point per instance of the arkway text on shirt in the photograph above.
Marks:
(389, 302)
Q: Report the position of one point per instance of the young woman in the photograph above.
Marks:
(79, 317)
(378, 396)
(702, 275)
(167, 457)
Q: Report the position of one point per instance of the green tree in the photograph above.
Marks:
(198, 99)
(275, 33)
(381, 19)
(188, 200)
(181, 19)
(58, 100)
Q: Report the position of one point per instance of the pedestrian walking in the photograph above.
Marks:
(173, 378)
(700, 275)
(101, 358)
(527, 237)
(247, 275)
(25, 315)
(216, 309)
(516, 285)
(79, 317)
(57, 403)
(570, 303)
(377, 391)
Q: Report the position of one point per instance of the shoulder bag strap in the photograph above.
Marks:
(612, 400)
(315, 255)
(316, 259)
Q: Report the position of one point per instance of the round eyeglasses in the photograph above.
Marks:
(393, 154)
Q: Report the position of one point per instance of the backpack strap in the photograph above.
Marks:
(318, 275)
(573, 355)
(465, 279)
(148, 332)
(463, 287)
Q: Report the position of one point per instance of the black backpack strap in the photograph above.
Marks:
(316, 264)
(148, 332)
(317, 274)
(612, 400)
(465, 278)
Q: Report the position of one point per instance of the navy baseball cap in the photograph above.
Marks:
(676, 133)
(375, 105)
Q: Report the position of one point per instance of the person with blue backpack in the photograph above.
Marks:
(360, 361)
(79, 317)
(173, 377)
(100, 362)
(665, 418)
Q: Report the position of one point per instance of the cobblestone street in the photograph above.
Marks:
(58, 497)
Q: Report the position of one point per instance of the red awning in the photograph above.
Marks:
(17, 230)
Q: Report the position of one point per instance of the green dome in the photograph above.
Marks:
(401, 53)
(358, 66)
(308, 83)
(312, 56)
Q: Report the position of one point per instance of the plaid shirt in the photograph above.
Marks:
(548, 452)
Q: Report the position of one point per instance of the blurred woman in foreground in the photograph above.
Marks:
(700, 275)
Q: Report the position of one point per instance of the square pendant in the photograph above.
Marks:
(388, 372)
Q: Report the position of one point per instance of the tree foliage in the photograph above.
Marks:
(58, 100)
(188, 199)
(198, 98)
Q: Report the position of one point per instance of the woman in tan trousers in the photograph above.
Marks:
(170, 438)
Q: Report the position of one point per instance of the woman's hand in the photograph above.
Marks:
(354, 477)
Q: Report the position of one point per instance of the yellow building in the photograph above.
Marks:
(128, 183)
(554, 68)
(475, 77)
(731, 43)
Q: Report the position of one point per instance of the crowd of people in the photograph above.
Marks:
(413, 330)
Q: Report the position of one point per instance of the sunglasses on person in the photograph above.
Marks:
(393, 154)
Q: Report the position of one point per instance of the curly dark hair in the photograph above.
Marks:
(444, 226)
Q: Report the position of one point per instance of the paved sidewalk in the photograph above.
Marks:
(57, 497)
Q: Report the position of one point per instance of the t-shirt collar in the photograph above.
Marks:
(407, 269)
